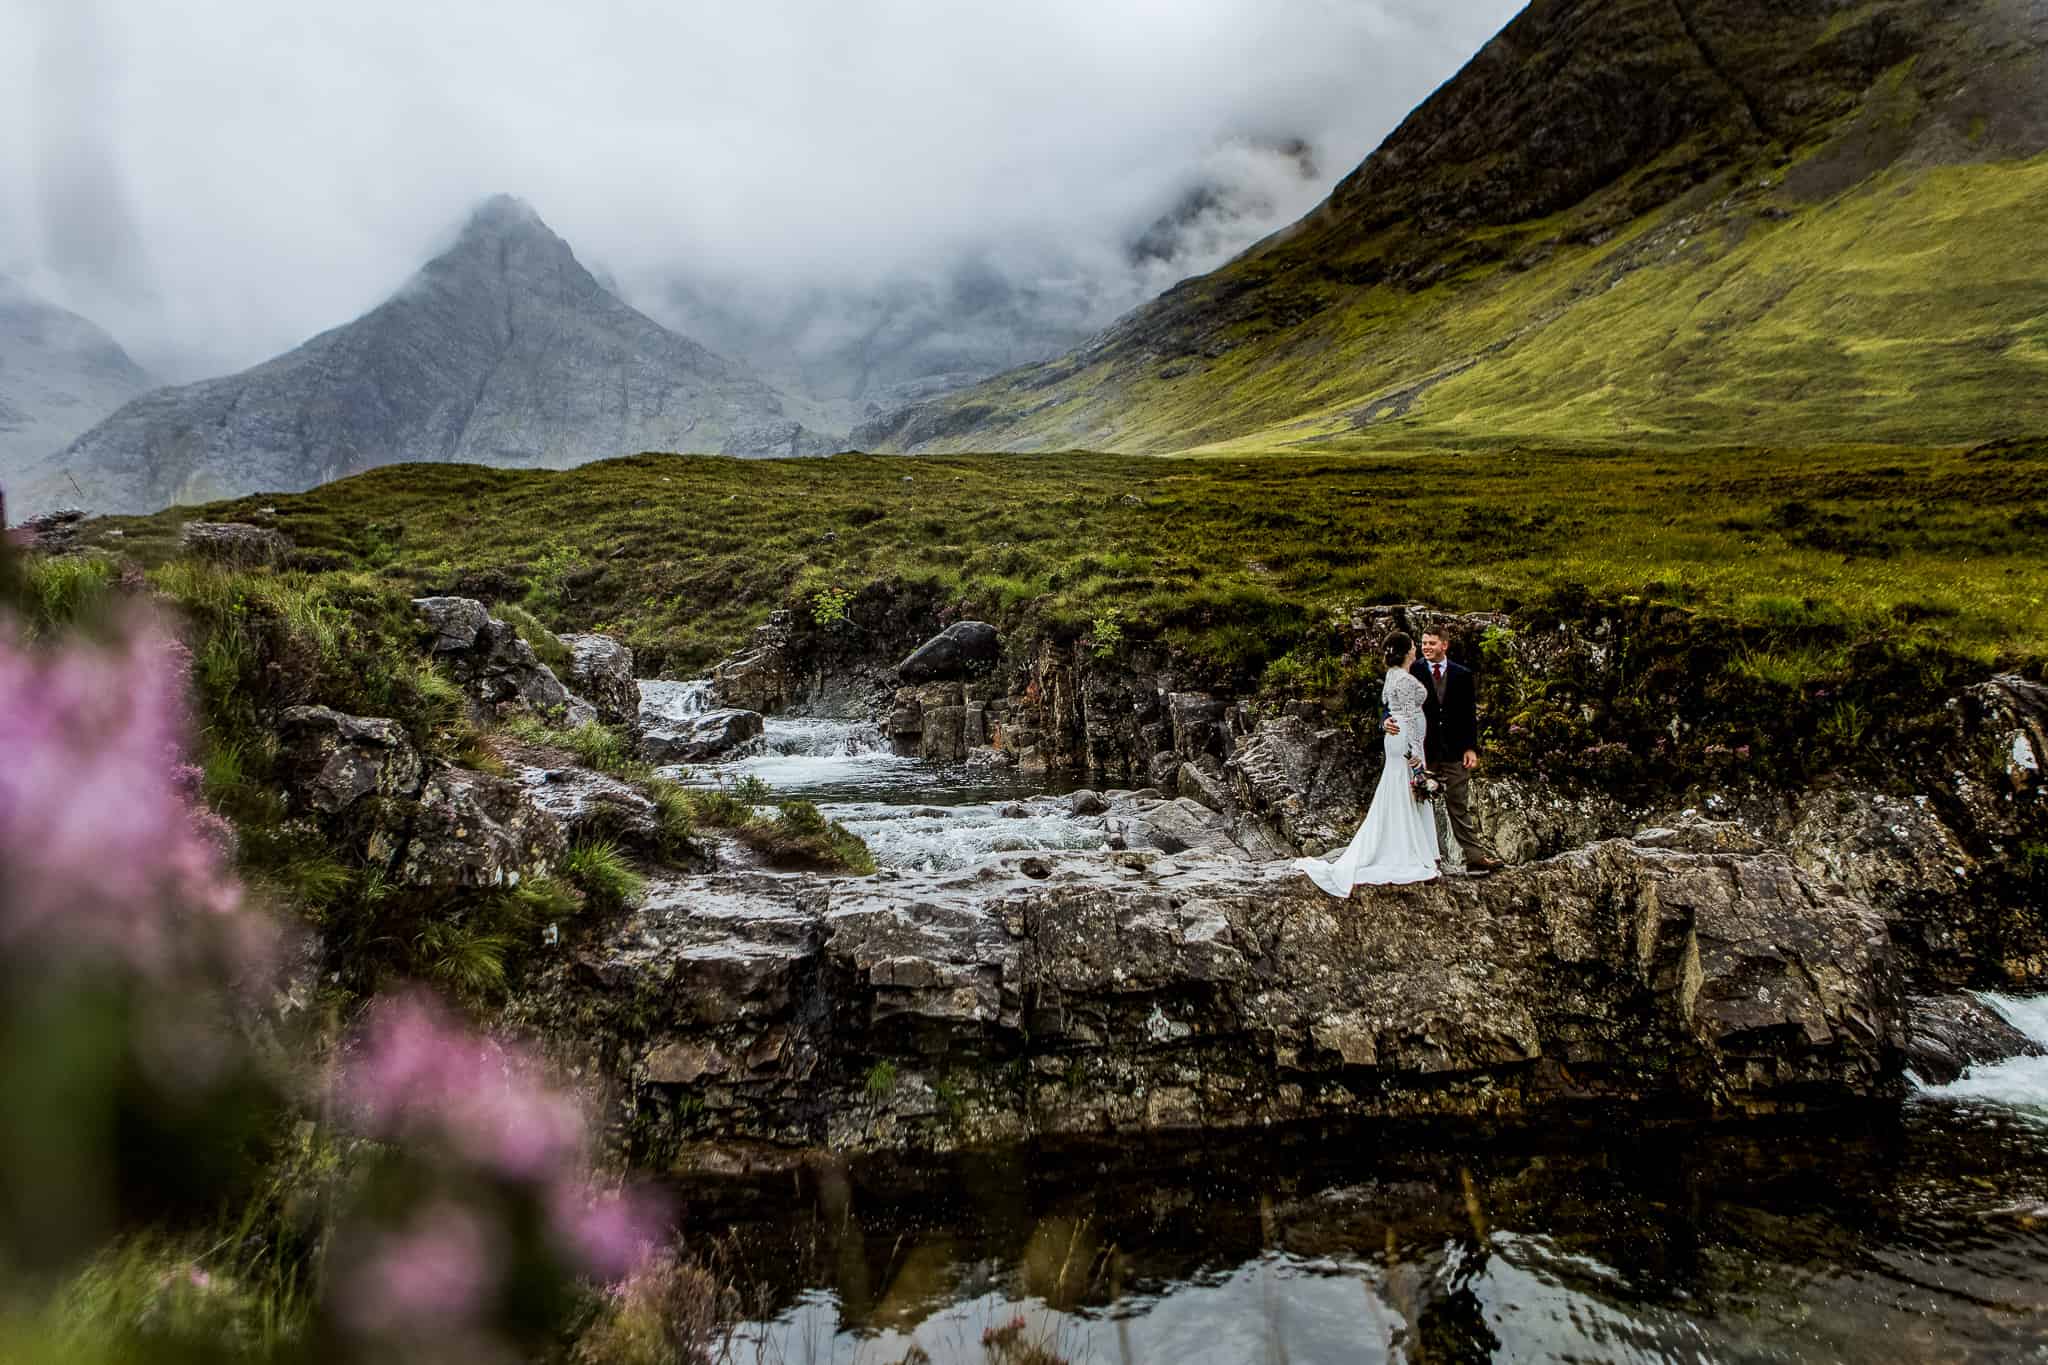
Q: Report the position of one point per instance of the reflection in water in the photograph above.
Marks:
(1914, 1235)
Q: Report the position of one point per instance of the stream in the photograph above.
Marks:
(914, 815)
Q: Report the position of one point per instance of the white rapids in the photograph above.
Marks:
(2019, 1083)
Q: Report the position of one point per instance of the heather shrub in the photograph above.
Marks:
(435, 1200)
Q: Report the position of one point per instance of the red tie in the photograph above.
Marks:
(1438, 669)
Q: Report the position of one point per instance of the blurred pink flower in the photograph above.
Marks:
(104, 852)
(429, 1277)
(609, 1235)
(419, 1075)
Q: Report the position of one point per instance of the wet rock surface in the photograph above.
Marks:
(1313, 784)
(601, 671)
(967, 649)
(590, 805)
(763, 676)
(475, 830)
(1145, 991)
(1950, 1034)
(700, 737)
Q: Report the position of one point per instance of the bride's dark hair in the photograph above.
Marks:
(1398, 645)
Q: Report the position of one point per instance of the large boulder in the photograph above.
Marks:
(1134, 992)
(1178, 825)
(234, 543)
(52, 533)
(601, 671)
(1311, 784)
(591, 805)
(495, 667)
(330, 760)
(765, 676)
(476, 830)
(701, 737)
(967, 649)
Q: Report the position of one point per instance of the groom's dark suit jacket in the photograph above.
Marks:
(1453, 718)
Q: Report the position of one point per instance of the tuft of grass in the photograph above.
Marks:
(592, 744)
(467, 959)
(675, 818)
(800, 833)
(67, 591)
(604, 874)
(881, 1081)
(603, 747)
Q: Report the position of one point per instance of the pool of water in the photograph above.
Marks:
(1918, 1233)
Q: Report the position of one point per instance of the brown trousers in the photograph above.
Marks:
(1458, 805)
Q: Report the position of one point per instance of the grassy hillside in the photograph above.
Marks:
(1804, 227)
(1234, 562)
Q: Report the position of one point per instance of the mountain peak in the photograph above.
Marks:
(505, 213)
(506, 220)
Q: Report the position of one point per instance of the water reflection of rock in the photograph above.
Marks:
(1350, 1244)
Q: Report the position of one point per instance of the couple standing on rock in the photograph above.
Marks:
(1432, 747)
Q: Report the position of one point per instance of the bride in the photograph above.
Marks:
(1397, 843)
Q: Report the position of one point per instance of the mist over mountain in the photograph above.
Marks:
(215, 186)
(59, 374)
(503, 350)
(854, 348)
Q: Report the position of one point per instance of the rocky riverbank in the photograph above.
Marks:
(1140, 958)
(1146, 992)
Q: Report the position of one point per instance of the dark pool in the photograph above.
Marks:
(1917, 1233)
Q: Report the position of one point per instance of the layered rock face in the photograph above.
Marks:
(1935, 836)
(1141, 992)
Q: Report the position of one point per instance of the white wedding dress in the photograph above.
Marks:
(1397, 843)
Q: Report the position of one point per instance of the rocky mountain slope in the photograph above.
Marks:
(501, 351)
(59, 374)
(1626, 220)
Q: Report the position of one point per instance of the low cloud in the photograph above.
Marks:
(217, 180)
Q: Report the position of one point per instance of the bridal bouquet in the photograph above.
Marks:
(1424, 788)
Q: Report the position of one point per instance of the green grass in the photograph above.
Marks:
(545, 646)
(592, 744)
(604, 874)
(1236, 560)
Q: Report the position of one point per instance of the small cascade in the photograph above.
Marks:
(914, 815)
(662, 700)
(798, 737)
(942, 838)
(2019, 1083)
(816, 759)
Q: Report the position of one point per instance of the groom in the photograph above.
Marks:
(1452, 745)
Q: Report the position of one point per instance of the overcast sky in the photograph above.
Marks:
(216, 180)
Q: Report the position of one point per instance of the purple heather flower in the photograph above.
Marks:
(429, 1277)
(421, 1076)
(609, 1235)
(103, 852)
